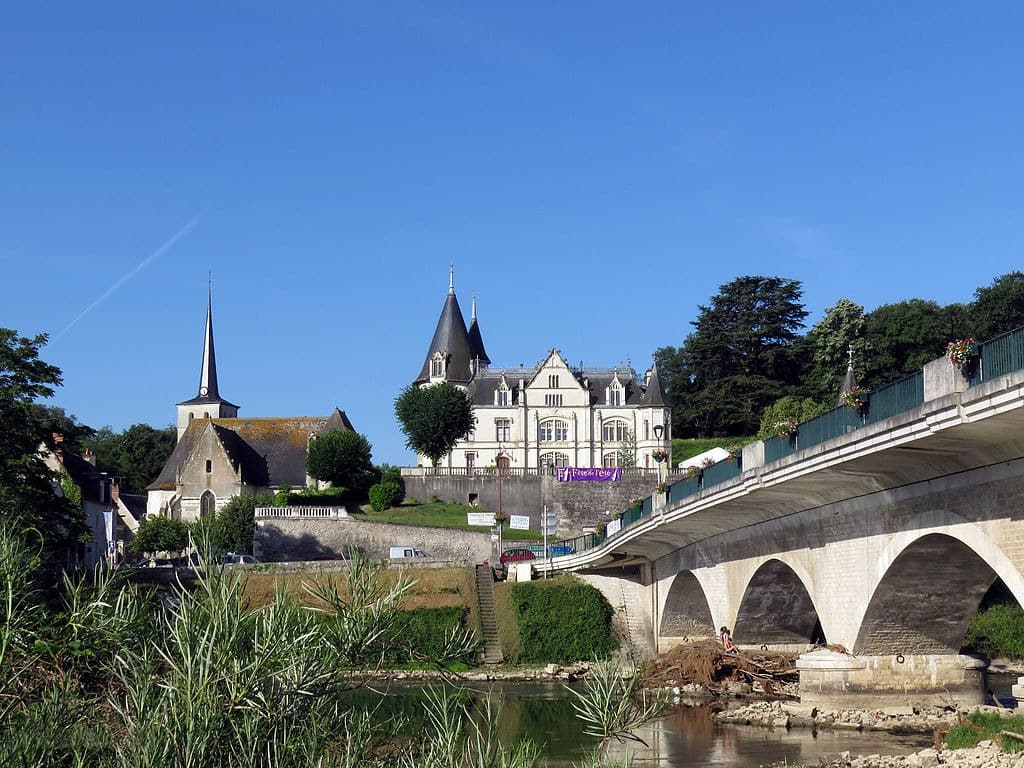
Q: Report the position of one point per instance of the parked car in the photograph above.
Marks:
(406, 553)
(517, 555)
(232, 558)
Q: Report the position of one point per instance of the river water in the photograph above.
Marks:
(684, 738)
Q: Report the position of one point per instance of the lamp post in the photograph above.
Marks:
(659, 430)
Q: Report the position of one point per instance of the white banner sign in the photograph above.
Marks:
(519, 522)
(480, 518)
(614, 527)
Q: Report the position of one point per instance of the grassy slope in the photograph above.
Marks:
(684, 449)
(440, 515)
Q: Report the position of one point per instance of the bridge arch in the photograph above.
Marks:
(686, 612)
(777, 609)
(924, 601)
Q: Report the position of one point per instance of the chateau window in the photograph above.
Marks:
(614, 395)
(554, 459)
(437, 367)
(647, 430)
(554, 430)
(502, 429)
(471, 436)
(207, 504)
(610, 460)
(553, 381)
(470, 461)
(553, 401)
(209, 466)
(501, 397)
(614, 431)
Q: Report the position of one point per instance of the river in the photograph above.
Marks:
(686, 737)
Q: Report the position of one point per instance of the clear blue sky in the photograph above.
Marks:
(594, 170)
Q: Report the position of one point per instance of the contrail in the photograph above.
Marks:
(134, 271)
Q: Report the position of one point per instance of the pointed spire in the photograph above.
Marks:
(208, 374)
(654, 394)
(850, 380)
(450, 345)
(477, 352)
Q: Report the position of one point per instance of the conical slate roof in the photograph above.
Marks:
(849, 382)
(654, 394)
(209, 391)
(452, 341)
(476, 341)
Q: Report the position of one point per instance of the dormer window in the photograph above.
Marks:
(437, 365)
(501, 395)
(615, 393)
(553, 381)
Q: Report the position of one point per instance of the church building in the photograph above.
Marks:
(553, 415)
(220, 455)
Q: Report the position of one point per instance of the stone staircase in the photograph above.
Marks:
(488, 622)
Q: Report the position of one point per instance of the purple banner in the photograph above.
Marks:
(589, 474)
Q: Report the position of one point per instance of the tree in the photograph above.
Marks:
(997, 308)
(341, 458)
(160, 534)
(232, 527)
(26, 485)
(827, 347)
(433, 419)
(740, 358)
(789, 407)
(626, 455)
(135, 456)
(902, 337)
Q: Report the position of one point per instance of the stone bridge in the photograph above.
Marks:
(881, 543)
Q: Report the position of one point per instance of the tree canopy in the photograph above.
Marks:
(341, 458)
(26, 485)
(434, 418)
(231, 528)
(135, 456)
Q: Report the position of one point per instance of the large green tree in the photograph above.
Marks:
(26, 485)
(434, 418)
(740, 358)
(827, 346)
(342, 458)
(902, 337)
(231, 528)
(996, 308)
(135, 456)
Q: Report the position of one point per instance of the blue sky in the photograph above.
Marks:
(594, 170)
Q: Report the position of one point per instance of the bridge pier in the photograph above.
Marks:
(832, 680)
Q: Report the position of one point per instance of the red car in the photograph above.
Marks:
(517, 555)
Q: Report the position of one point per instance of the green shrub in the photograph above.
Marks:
(980, 726)
(385, 495)
(998, 631)
(328, 497)
(562, 620)
(422, 634)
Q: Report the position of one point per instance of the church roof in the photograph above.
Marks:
(209, 389)
(452, 341)
(270, 452)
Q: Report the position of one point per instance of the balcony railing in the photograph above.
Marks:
(485, 472)
(320, 513)
(999, 356)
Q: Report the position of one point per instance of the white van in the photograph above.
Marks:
(406, 553)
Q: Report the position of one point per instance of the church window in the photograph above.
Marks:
(209, 466)
(553, 430)
(553, 381)
(207, 504)
(610, 460)
(614, 431)
(502, 428)
(553, 401)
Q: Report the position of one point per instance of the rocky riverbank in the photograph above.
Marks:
(778, 714)
(985, 755)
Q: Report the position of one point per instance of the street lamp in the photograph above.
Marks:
(659, 454)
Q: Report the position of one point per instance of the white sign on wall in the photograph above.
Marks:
(519, 522)
(613, 527)
(480, 518)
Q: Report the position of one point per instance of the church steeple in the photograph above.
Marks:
(449, 357)
(208, 403)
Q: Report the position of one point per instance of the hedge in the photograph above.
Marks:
(423, 632)
(562, 620)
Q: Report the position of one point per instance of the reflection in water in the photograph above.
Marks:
(684, 738)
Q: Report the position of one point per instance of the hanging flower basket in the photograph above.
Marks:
(690, 472)
(786, 428)
(600, 528)
(961, 351)
(661, 487)
(500, 518)
(856, 398)
(659, 455)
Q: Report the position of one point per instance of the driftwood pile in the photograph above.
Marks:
(706, 665)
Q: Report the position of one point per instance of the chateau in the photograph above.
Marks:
(551, 416)
(219, 455)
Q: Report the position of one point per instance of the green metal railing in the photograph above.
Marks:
(997, 357)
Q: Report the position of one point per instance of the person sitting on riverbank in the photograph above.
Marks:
(728, 646)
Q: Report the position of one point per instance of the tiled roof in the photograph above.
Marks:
(452, 341)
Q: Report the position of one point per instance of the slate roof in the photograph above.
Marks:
(451, 340)
(654, 395)
(209, 390)
(136, 504)
(271, 452)
(481, 390)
